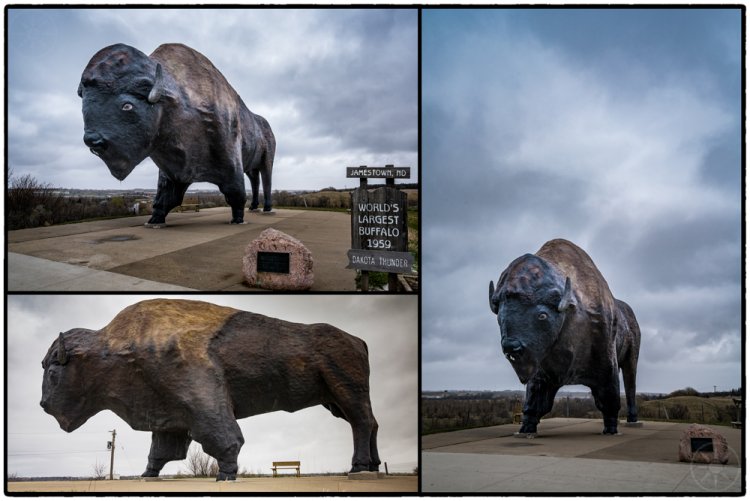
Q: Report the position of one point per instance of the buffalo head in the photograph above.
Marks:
(121, 88)
(67, 384)
(531, 302)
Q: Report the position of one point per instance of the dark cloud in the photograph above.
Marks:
(339, 86)
(628, 147)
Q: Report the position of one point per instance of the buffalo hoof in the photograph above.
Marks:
(374, 467)
(157, 219)
(155, 225)
(150, 473)
(267, 209)
(527, 428)
(237, 221)
(610, 430)
(223, 477)
(356, 468)
(632, 418)
(521, 434)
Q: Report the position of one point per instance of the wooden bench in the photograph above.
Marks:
(288, 465)
(184, 207)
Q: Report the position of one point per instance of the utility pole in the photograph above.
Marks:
(112, 456)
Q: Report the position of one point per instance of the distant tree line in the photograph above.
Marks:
(30, 203)
(457, 412)
(446, 414)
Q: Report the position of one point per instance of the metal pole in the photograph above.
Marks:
(112, 456)
(364, 283)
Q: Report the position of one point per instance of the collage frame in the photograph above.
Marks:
(426, 343)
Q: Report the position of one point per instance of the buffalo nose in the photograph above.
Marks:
(94, 140)
(512, 348)
(43, 404)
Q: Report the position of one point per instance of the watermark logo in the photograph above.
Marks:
(714, 477)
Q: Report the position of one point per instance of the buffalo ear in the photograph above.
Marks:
(80, 89)
(493, 304)
(62, 354)
(158, 89)
(568, 298)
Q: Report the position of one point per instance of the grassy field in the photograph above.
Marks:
(713, 410)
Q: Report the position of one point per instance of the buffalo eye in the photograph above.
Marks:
(53, 378)
(542, 316)
(127, 107)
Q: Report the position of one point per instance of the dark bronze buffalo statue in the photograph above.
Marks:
(187, 370)
(177, 108)
(560, 324)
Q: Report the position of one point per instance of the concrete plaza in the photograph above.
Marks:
(571, 456)
(195, 251)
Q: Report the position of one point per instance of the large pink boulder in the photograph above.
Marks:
(701, 444)
(273, 246)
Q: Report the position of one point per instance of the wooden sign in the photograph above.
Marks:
(379, 219)
(387, 171)
(372, 260)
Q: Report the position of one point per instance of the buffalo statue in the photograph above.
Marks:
(177, 108)
(187, 370)
(560, 324)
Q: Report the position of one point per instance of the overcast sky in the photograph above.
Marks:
(616, 129)
(338, 86)
(36, 446)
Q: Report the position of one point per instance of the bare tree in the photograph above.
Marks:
(99, 470)
(200, 464)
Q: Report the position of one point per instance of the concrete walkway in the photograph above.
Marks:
(570, 455)
(28, 273)
(195, 251)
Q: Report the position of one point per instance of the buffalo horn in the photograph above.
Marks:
(568, 299)
(493, 306)
(157, 89)
(62, 354)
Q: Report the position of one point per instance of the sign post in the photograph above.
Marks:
(380, 233)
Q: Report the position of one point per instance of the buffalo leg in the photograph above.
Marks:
(374, 456)
(254, 176)
(169, 194)
(607, 400)
(234, 193)
(266, 176)
(364, 435)
(165, 447)
(354, 406)
(628, 378)
(221, 438)
(540, 397)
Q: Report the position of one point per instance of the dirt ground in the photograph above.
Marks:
(392, 484)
